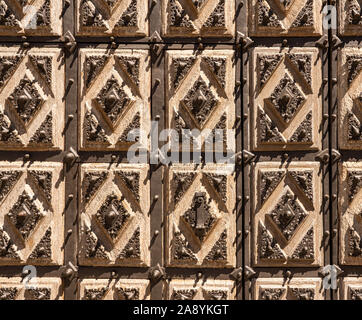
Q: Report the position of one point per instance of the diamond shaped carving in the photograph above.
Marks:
(115, 108)
(26, 100)
(31, 211)
(287, 224)
(199, 95)
(126, 18)
(209, 18)
(199, 224)
(286, 104)
(350, 102)
(31, 96)
(114, 217)
(273, 18)
(350, 22)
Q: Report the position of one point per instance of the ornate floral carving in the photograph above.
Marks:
(287, 98)
(271, 293)
(200, 101)
(94, 294)
(354, 128)
(8, 133)
(219, 132)
(354, 182)
(266, 16)
(7, 16)
(24, 215)
(43, 180)
(199, 217)
(354, 67)
(8, 293)
(94, 248)
(90, 15)
(91, 183)
(303, 63)
(113, 100)
(217, 17)
(8, 179)
(7, 249)
(132, 250)
(93, 131)
(303, 293)
(93, 67)
(44, 66)
(37, 294)
(303, 134)
(112, 216)
(44, 134)
(179, 17)
(185, 294)
(43, 15)
(219, 183)
(268, 247)
(354, 13)
(182, 250)
(131, 65)
(128, 293)
(131, 181)
(219, 250)
(304, 180)
(218, 68)
(305, 249)
(305, 17)
(135, 124)
(287, 215)
(43, 249)
(355, 294)
(269, 132)
(129, 16)
(268, 182)
(217, 294)
(267, 64)
(180, 67)
(354, 243)
(8, 65)
(181, 182)
(26, 100)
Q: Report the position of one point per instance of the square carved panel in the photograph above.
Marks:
(30, 17)
(350, 20)
(31, 93)
(121, 18)
(273, 18)
(350, 209)
(287, 222)
(350, 288)
(200, 94)
(31, 213)
(114, 212)
(350, 98)
(201, 290)
(192, 18)
(35, 289)
(200, 216)
(287, 104)
(122, 289)
(295, 289)
(113, 98)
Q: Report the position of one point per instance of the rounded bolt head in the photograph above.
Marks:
(156, 197)
(156, 274)
(27, 156)
(288, 274)
(113, 157)
(157, 233)
(71, 81)
(199, 274)
(246, 233)
(70, 231)
(326, 234)
(69, 157)
(68, 273)
(71, 196)
(113, 274)
(71, 117)
(239, 233)
(157, 117)
(239, 198)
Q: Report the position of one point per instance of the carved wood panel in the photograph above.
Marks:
(39, 289)
(350, 288)
(295, 289)
(200, 216)
(31, 213)
(350, 208)
(114, 215)
(31, 99)
(122, 289)
(287, 221)
(287, 101)
(190, 18)
(30, 17)
(113, 98)
(285, 18)
(201, 290)
(350, 21)
(350, 98)
(125, 18)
